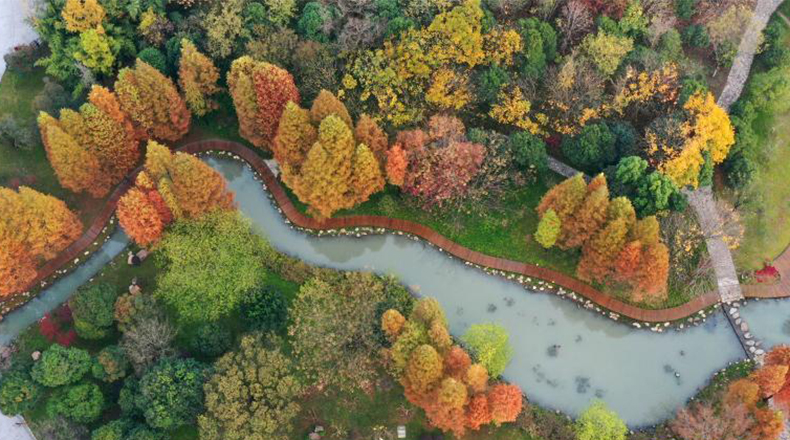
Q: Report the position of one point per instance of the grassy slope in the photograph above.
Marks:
(767, 228)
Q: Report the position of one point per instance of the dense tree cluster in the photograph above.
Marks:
(34, 227)
(440, 378)
(615, 244)
(172, 186)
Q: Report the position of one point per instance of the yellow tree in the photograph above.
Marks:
(82, 15)
(325, 104)
(366, 176)
(295, 136)
(198, 78)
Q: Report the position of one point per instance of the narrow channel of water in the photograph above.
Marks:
(564, 357)
(60, 290)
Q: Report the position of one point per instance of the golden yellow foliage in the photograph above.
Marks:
(448, 90)
(82, 15)
(513, 109)
(500, 45)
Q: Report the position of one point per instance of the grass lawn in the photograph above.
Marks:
(768, 226)
(504, 231)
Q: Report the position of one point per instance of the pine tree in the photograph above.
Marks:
(396, 165)
(198, 78)
(366, 177)
(157, 161)
(197, 187)
(369, 133)
(327, 104)
(588, 217)
(295, 136)
(327, 169)
(599, 254)
(549, 229)
(621, 207)
(76, 168)
(152, 102)
(564, 199)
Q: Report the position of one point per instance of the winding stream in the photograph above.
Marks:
(564, 357)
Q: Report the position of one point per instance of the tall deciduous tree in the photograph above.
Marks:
(260, 93)
(397, 162)
(198, 78)
(369, 133)
(34, 227)
(295, 136)
(152, 102)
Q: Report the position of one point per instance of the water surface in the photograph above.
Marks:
(768, 320)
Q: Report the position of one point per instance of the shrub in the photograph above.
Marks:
(592, 149)
(155, 58)
(22, 58)
(19, 135)
(148, 340)
(61, 366)
(597, 422)
(696, 35)
(59, 428)
(142, 432)
(93, 309)
(211, 340)
(776, 52)
(81, 403)
(110, 364)
(127, 397)
(490, 82)
(529, 151)
(315, 16)
(113, 430)
(265, 309)
(51, 98)
(18, 393)
(670, 46)
(685, 9)
(171, 393)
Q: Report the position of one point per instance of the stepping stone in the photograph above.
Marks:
(744, 327)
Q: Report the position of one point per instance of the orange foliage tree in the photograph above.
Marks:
(34, 227)
(440, 378)
(397, 162)
(172, 185)
(260, 93)
(198, 78)
(152, 102)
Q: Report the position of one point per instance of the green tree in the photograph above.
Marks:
(265, 309)
(489, 345)
(606, 51)
(592, 149)
(211, 340)
(529, 152)
(96, 51)
(113, 430)
(548, 229)
(597, 422)
(61, 366)
(111, 364)
(93, 309)
(650, 192)
(332, 322)
(171, 393)
(207, 264)
(251, 394)
(82, 403)
(18, 393)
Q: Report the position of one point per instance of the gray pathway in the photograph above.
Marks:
(739, 72)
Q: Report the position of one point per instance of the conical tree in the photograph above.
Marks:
(588, 218)
(326, 104)
(76, 168)
(599, 254)
(366, 178)
(198, 78)
(17, 267)
(139, 218)
(326, 171)
(564, 199)
(260, 93)
(295, 136)
(369, 133)
(152, 102)
(396, 165)
(198, 188)
(549, 229)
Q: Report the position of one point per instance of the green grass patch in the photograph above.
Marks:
(500, 227)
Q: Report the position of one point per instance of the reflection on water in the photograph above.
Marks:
(593, 356)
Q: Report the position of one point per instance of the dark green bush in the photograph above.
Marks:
(776, 53)
(113, 430)
(685, 9)
(312, 22)
(18, 393)
(82, 403)
(142, 432)
(171, 393)
(93, 309)
(489, 82)
(211, 340)
(61, 366)
(625, 138)
(696, 35)
(265, 309)
(529, 151)
(592, 149)
(155, 58)
(670, 46)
